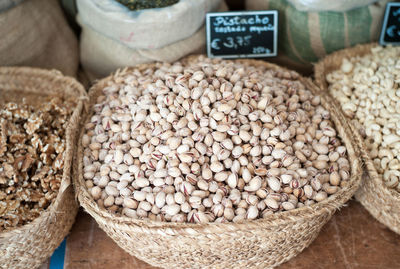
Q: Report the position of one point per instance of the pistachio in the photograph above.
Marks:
(214, 142)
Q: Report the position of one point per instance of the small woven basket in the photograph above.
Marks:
(380, 201)
(262, 243)
(30, 245)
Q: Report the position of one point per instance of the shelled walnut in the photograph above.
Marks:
(32, 145)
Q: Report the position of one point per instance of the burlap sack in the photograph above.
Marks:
(35, 33)
(145, 29)
(305, 37)
(101, 55)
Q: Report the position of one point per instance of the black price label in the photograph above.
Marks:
(390, 33)
(242, 34)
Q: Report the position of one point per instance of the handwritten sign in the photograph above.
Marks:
(242, 34)
(390, 33)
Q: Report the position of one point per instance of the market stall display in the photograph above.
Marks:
(37, 140)
(191, 162)
(364, 81)
(168, 148)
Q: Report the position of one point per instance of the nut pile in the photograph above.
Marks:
(210, 141)
(368, 89)
(32, 144)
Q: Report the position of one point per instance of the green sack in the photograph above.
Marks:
(305, 37)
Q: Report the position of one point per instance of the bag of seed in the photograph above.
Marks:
(146, 28)
(101, 55)
(305, 37)
(35, 33)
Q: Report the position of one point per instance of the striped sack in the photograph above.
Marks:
(305, 37)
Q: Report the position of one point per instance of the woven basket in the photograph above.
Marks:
(380, 201)
(30, 245)
(262, 243)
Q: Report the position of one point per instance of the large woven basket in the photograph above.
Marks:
(263, 243)
(30, 245)
(381, 202)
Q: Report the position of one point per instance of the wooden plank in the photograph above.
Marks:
(351, 240)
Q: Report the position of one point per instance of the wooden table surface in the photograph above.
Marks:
(351, 239)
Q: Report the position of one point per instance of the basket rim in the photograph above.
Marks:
(328, 206)
(8, 73)
(321, 70)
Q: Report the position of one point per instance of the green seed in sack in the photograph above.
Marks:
(145, 4)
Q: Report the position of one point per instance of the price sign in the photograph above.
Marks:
(390, 33)
(242, 34)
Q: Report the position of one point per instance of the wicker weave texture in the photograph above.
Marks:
(380, 201)
(30, 245)
(263, 243)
